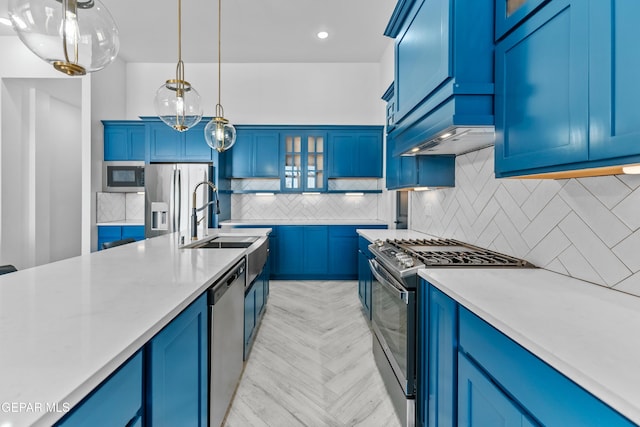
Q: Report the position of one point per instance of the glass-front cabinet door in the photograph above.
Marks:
(304, 167)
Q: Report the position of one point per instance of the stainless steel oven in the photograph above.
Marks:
(394, 324)
(393, 310)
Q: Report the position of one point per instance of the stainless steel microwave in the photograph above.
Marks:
(123, 177)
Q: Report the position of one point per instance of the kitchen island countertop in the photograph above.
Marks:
(585, 331)
(65, 326)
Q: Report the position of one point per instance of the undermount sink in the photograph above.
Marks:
(223, 242)
(258, 250)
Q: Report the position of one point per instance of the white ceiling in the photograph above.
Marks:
(252, 30)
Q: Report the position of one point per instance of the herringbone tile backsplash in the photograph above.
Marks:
(305, 207)
(588, 228)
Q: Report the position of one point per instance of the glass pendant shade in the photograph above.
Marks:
(75, 36)
(220, 134)
(178, 105)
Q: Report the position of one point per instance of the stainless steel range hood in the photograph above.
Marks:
(456, 140)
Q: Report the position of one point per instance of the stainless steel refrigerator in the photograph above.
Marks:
(168, 197)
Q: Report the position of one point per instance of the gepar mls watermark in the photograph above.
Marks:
(27, 407)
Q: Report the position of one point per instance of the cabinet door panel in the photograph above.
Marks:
(542, 90)
(315, 249)
(179, 371)
(195, 146)
(137, 141)
(266, 155)
(290, 245)
(165, 143)
(422, 54)
(343, 256)
(614, 88)
(115, 402)
(443, 328)
(242, 155)
(249, 319)
(115, 144)
(481, 403)
(135, 231)
(355, 154)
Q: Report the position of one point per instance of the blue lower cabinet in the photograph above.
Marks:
(482, 403)
(437, 347)
(289, 252)
(255, 303)
(365, 277)
(177, 392)
(249, 319)
(343, 256)
(135, 231)
(364, 283)
(527, 381)
(111, 233)
(116, 402)
(442, 357)
(315, 250)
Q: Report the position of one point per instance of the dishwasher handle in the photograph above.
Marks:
(235, 275)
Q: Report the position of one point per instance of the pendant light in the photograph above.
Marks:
(75, 36)
(219, 133)
(177, 103)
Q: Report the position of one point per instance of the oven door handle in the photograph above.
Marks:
(388, 282)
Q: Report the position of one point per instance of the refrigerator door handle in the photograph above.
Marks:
(179, 201)
(173, 200)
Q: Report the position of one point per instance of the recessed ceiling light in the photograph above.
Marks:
(5, 21)
(323, 35)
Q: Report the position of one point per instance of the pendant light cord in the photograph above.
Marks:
(180, 67)
(219, 54)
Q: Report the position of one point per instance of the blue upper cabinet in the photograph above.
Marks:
(355, 153)
(566, 91)
(124, 140)
(169, 145)
(509, 13)
(256, 153)
(614, 67)
(443, 68)
(303, 165)
(542, 90)
(389, 98)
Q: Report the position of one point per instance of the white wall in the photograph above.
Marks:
(297, 93)
(28, 128)
(41, 171)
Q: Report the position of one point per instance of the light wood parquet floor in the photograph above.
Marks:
(311, 364)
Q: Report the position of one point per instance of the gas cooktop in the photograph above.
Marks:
(404, 256)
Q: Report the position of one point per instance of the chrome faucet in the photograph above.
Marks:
(194, 211)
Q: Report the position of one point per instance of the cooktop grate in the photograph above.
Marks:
(452, 253)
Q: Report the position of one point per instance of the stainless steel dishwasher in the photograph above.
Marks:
(226, 314)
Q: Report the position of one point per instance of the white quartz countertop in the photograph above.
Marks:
(372, 235)
(65, 326)
(232, 223)
(587, 332)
